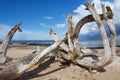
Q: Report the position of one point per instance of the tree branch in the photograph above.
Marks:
(107, 54)
(111, 27)
(6, 42)
(85, 20)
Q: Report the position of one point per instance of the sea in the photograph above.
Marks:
(91, 43)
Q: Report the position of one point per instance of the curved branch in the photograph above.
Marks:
(111, 27)
(85, 20)
(6, 42)
(107, 56)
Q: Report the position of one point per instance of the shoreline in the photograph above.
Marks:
(46, 71)
(35, 44)
(88, 44)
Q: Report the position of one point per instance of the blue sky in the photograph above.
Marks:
(38, 16)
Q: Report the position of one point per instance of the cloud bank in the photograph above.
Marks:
(91, 28)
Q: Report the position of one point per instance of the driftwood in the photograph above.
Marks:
(6, 42)
(68, 48)
(107, 54)
(16, 68)
(107, 58)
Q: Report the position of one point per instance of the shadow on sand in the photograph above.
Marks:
(34, 73)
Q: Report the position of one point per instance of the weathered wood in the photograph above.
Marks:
(70, 32)
(39, 56)
(18, 67)
(77, 47)
(89, 61)
(85, 20)
(9, 71)
(111, 27)
(55, 37)
(107, 54)
(6, 42)
(64, 46)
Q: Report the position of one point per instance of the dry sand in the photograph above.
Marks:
(54, 71)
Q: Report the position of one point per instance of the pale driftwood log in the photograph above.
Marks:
(111, 27)
(77, 47)
(70, 32)
(55, 37)
(16, 68)
(107, 54)
(63, 46)
(66, 48)
(78, 27)
(6, 42)
(73, 42)
(89, 62)
(9, 71)
(72, 54)
(40, 56)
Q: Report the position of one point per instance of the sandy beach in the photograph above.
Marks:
(48, 71)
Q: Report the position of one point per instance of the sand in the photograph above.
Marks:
(55, 71)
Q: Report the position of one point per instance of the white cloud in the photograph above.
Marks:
(116, 11)
(43, 25)
(118, 37)
(60, 25)
(4, 29)
(32, 35)
(80, 12)
(90, 28)
(48, 17)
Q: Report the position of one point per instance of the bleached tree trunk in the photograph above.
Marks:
(107, 58)
(6, 42)
(111, 27)
(70, 32)
(16, 68)
(9, 71)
